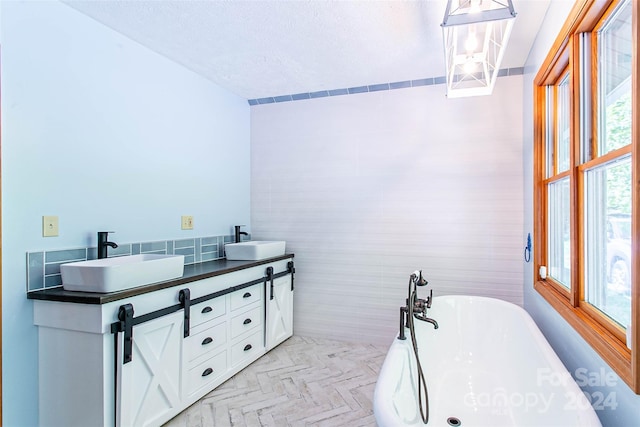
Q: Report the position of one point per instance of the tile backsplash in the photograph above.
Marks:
(43, 267)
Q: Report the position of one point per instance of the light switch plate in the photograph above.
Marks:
(49, 226)
(187, 222)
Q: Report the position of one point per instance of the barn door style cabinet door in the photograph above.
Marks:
(149, 385)
(279, 308)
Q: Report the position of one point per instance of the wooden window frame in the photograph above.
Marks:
(605, 337)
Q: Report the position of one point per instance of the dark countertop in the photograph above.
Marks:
(192, 272)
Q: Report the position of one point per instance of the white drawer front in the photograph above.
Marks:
(246, 296)
(206, 372)
(207, 310)
(246, 321)
(206, 341)
(247, 348)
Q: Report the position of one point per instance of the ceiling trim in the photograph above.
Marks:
(504, 72)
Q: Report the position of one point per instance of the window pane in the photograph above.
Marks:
(559, 249)
(608, 239)
(614, 81)
(562, 126)
(549, 135)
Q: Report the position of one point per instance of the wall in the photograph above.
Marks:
(623, 406)
(108, 136)
(367, 188)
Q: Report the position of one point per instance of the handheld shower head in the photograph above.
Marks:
(417, 278)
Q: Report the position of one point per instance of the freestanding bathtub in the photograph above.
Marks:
(487, 364)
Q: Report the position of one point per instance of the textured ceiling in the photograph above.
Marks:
(274, 47)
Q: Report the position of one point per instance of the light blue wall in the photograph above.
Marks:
(575, 353)
(108, 136)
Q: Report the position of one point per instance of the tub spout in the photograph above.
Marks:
(432, 321)
(427, 319)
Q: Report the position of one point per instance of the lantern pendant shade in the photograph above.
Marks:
(475, 34)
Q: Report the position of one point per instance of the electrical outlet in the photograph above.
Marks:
(49, 226)
(187, 222)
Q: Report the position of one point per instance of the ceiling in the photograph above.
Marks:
(267, 48)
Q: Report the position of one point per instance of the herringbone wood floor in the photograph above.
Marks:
(302, 382)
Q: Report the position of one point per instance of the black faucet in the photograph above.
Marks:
(240, 233)
(420, 307)
(103, 242)
(416, 306)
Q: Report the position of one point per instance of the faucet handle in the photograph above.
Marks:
(430, 298)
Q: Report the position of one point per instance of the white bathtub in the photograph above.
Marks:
(487, 364)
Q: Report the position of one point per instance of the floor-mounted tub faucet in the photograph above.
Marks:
(239, 233)
(416, 307)
(103, 242)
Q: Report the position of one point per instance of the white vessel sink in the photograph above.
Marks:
(254, 250)
(119, 273)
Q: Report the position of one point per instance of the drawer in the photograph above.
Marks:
(206, 372)
(246, 296)
(206, 341)
(207, 310)
(246, 321)
(247, 348)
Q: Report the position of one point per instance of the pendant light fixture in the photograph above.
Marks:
(475, 35)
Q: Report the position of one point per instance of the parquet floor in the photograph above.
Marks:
(302, 382)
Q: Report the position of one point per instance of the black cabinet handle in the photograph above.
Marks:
(207, 372)
(246, 321)
(207, 340)
(246, 295)
(269, 278)
(247, 347)
(207, 309)
(125, 315)
(185, 300)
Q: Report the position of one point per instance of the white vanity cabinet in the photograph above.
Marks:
(185, 340)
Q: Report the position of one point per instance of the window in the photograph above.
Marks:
(557, 182)
(607, 245)
(586, 153)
